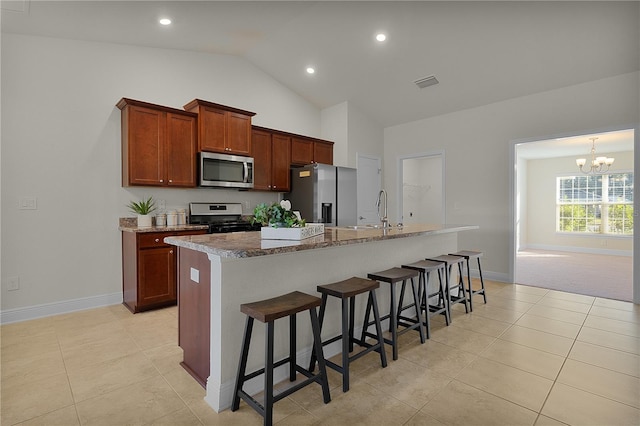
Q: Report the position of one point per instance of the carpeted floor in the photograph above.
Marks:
(590, 274)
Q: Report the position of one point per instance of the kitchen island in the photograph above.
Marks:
(217, 273)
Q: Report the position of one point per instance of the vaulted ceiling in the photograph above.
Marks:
(480, 52)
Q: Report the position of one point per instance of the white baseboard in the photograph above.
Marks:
(579, 249)
(48, 309)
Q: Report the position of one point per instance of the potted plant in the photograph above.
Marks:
(143, 209)
(279, 222)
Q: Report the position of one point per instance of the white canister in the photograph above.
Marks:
(172, 218)
(161, 219)
(182, 216)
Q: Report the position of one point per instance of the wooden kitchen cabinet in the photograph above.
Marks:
(158, 145)
(149, 269)
(272, 160)
(222, 128)
(305, 150)
(323, 152)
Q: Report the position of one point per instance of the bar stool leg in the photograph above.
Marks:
(317, 344)
(445, 295)
(470, 291)
(345, 345)
(268, 375)
(292, 348)
(376, 315)
(393, 321)
(242, 365)
(424, 276)
(352, 321)
(323, 305)
(467, 300)
(484, 292)
(416, 299)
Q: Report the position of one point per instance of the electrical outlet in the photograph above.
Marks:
(28, 203)
(13, 283)
(162, 205)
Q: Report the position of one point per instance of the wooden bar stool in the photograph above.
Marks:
(425, 268)
(468, 255)
(347, 291)
(393, 276)
(267, 311)
(461, 296)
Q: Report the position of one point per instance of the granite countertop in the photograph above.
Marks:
(129, 224)
(250, 244)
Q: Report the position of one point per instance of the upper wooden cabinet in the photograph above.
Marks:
(322, 152)
(158, 145)
(222, 128)
(306, 150)
(272, 160)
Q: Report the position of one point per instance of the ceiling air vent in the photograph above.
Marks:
(426, 81)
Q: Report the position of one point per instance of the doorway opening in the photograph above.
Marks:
(421, 184)
(564, 239)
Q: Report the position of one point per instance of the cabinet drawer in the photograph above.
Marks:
(153, 239)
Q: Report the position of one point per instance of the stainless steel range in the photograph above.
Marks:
(221, 217)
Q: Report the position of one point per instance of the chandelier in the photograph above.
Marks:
(598, 164)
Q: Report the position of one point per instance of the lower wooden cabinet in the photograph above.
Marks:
(194, 313)
(149, 269)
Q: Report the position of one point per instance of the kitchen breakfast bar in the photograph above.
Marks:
(219, 272)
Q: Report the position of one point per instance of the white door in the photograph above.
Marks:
(369, 184)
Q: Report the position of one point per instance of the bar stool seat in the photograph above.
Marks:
(346, 291)
(393, 276)
(267, 311)
(468, 255)
(461, 297)
(425, 268)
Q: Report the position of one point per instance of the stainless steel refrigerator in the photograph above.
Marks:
(324, 194)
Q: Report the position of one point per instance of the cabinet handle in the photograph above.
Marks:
(161, 180)
(170, 251)
(157, 240)
(170, 180)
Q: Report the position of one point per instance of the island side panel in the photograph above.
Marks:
(194, 312)
(244, 280)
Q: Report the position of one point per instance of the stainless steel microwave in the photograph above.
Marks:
(225, 171)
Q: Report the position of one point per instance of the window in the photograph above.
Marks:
(595, 204)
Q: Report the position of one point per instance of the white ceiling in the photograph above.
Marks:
(481, 52)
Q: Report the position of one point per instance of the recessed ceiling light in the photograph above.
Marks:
(381, 37)
(311, 70)
(165, 21)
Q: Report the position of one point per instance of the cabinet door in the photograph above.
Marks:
(238, 133)
(323, 152)
(181, 150)
(211, 124)
(261, 149)
(281, 163)
(301, 151)
(156, 276)
(145, 146)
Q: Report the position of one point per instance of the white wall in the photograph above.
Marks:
(61, 144)
(366, 136)
(422, 190)
(477, 142)
(353, 133)
(335, 127)
(541, 226)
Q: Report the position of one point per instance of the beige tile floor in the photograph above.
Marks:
(530, 356)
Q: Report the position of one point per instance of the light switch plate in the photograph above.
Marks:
(13, 283)
(28, 203)
(195, 275)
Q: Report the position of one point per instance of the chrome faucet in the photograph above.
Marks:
(383, 218)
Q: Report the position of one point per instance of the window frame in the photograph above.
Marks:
(603, 204)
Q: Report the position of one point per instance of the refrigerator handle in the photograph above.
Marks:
(326, 212)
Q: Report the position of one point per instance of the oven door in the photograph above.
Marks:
(226, 171)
